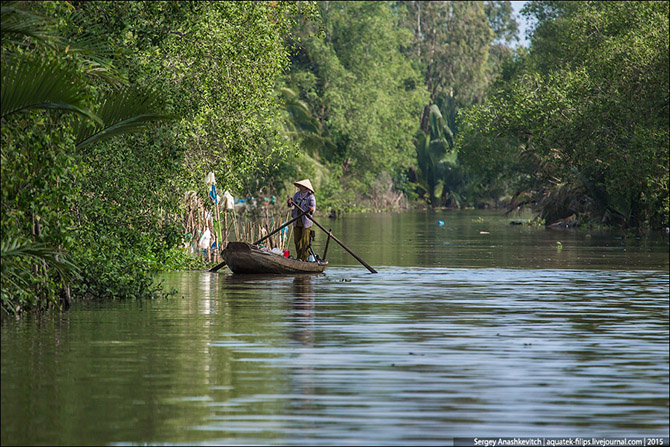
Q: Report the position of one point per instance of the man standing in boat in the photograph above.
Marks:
(305, 199)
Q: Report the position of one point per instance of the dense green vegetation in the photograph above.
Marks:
(95, 217)
(112, 111)
(381, 84)
(579, 124)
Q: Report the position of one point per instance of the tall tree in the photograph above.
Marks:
(582, 126)
(217, 64)
(452, 41)
(461, 47)
(361, 87)
(502, 22)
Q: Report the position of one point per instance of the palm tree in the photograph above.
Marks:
(300, 126)
(433, 156)
(36, 82)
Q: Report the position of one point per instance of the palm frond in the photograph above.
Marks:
(439, 127)
(87, 41)
(18, 24)
(42, 84)
(11, 250)
(122, 111)
(95, 52)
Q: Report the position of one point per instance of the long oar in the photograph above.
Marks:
(336, 240)
(217, 267)
(275, 231)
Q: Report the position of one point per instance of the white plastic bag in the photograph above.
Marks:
(228, 201)
(204, 240)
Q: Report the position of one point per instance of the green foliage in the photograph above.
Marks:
(39, 83)
(22, 289)
(362, 83)
(362, 96)
(34, 170)
(582, 125)
(46, 177)
(460, 47)
(19, 24)
(218, 78)
(78, 182)
(501, 20)
(432, 155)
(452, 41)
(122, 112)
(111, 268)
(176, 258)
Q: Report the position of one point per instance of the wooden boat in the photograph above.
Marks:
(242, 257)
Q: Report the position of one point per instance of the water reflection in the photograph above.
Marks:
(208, 290)
(415, 355)
(303, 310)
(485, 239)
(301, 327)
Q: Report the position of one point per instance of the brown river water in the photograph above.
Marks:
(476, 328)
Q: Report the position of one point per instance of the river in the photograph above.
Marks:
(476, 328)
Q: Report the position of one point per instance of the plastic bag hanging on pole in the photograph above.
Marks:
(204, 239)
(210, 179)
(211, 186)
(212, 194)
(228, 201)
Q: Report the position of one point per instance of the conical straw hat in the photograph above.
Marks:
(306, 183)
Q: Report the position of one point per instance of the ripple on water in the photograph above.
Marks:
(410, 356)
(491, 351)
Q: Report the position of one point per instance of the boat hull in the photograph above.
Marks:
(242, 257)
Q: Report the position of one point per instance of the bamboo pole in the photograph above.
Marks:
(211, 232)
(325, 250)
(225, 226)
(237, 230)
(218, 241)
